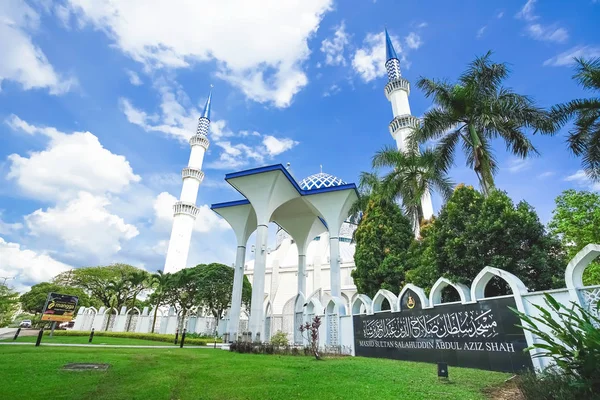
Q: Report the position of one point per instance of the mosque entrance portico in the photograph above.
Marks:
(275, 196)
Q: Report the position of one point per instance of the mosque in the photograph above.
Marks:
(314, 254)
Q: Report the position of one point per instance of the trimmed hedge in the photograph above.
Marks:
(130, 335)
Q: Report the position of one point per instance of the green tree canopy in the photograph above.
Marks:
(584, 137)
(109, 284)
(183, 291)
(382, 238)
(9, 304)
(33, 301)
(476, 110)
(576, 220)
(216, 288)
(472, 232)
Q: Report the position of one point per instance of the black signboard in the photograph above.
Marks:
(479, 335)
(59, 307)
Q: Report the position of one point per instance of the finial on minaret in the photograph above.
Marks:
(390, 53)
(206, 112)
(392, 64)
(321, 168)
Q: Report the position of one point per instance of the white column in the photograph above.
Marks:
(236, 297)
(334, 266)
(258, 284)
(302, 274)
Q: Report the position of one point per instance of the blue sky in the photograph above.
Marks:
(98, 99)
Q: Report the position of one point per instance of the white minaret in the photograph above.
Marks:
(397, 91)
(185, 210)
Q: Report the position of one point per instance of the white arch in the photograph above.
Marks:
(346, 299)
(435, 297)
(132, 309)
(380, 296)
(486, 274)
(576, 267)
(300, 302)
(268, 309)
(315, 307)
(418, 291)
(364, 302)
(336, 306)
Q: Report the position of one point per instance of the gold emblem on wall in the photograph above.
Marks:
(411, 302)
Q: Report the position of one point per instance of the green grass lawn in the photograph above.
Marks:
(96, 340)
(35, 373)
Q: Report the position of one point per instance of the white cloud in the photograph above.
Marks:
(83, 225)
(6, 227)
(547, 33)
(206, 220)
(333, 89)
(261, 50)
(413, 40)
(481, 31)
(500, 14)
(568, 57)
(28, 266)
(422, 25)
(581, 179)
(22, 61)
(546, 174)
(538, 31)
(518, 164)
(369, 61)
(69, 163)
(134, 78)
(277, 146)
(526, 13)
(179, 122)
(333, 48)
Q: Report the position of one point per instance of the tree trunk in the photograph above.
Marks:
(482, 163)
(130, 314)
(155, 312)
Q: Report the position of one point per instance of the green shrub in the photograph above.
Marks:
(553, 385)
(279, 339)
(131, 335)
(573, 344)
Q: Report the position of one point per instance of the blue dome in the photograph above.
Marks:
(320, 180)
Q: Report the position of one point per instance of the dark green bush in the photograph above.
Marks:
(573, 343)
(131, 335)
(553, 385)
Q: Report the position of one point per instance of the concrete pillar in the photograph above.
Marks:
(334, 266)
(236, 296)
(302, 273)
(258, 284)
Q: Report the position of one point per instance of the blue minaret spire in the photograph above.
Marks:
(204, 120)
(206, 112)
(392, 64)
(389, 47)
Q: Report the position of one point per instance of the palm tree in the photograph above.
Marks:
(137, 281)
(160, 282)
(370, 187)
(584, 138)
(411, 177)
(476, 110)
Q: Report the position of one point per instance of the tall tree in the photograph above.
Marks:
(382, 238)
(96, 280)
(411, 177)
(33, 301)
(584, 137)
(9, 304)
(576, 220)
(216, 288)
(476, 110)
(472, 232)
(137, 281)
(183, 292)
(370, 187)
(160, 283)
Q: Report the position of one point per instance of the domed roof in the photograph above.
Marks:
(320, 180)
